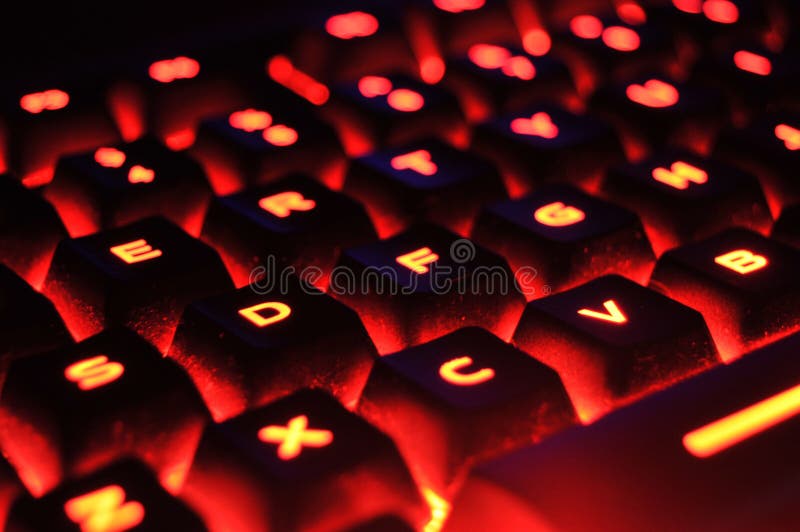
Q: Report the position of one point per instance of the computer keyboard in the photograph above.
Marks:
(389, 266)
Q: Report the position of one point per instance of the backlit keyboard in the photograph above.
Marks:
(402, 266)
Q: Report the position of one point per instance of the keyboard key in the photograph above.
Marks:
(112, 186)
(123, 496)
(30, 229)
(650, 111)
(743, 283)
(140, 275)
(41, 123)
(564, 237)
(378, 110)
(426, 180)
(296, 221)
(547, 143)
(683, 197)
(715, 453)
(423, 283)
(613, 341)
(301, 463)
(258, 145)
(470, 392)
(787, 228)
(70, 411)
(249, 347)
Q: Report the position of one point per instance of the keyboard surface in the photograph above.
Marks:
(418, 265)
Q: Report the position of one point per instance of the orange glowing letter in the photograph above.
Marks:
(140, 174)
(416, 260)
(557, 214)
(109, 157)
(136, 251)
(94, 372)
(419, 161)
(538, 125)
(104, 510)
(294, 436)
(350, 25)
(282, 312)
(679, 175)
(250, 120)
(753, 63)
(789, 135)
(283, 203)
(612, 313)
(49, 100)
(621, 38)
(737, 427)
(280, 135)
(653, 93)
(405, 100)
(742, 261)
(449, 371)
(168, 70)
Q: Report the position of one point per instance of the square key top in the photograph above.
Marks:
(745, 285)
(301, 463)
(787, 227)
(39, 123)
(652, 110)
(258, 145)
(249, 347)
(30, 229)
(423, 283)
(140, 275)
(124, 496)
(558, 237)
(547, 143)
(613, 341)
(293, 222)
(426, 180)
(112, 186)
(472, 394)
(683, 197)
(378, 110)
(70, 411)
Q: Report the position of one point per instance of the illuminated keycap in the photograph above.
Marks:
(613, 341)
(741, 282)
(640, 453)
(295, 220)
(246, 348)
(425, 180)
(114, 186)
(124, 496)
(109, 392)
(709, 195)
(439, 391)
(295, 452)
(425, 282)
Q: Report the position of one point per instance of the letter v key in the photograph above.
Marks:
(612, 313)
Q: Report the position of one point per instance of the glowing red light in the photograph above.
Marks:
(722, 11)
(282, 71)
(431, 69)
(180, 140)
(351, 25)
(538, 125)
(109, 157)
(94, 372)
(168, 70)
(631, 13)
(451, 372)
(457, 6)
(104, 510)
(280, 135)
(621, 38)
(372, 86)
(537, 42)
(694, 7)
(653, 93)
(488, 56)
(250, 120)
(417, 260)
(753, 63)
(140, 174)
(49, 100)
(611, 314)
(419, 161)
(586, 26)
(680, 174)
(789, 135)
(294, 436)
(405, 100)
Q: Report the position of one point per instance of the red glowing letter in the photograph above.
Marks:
(557, 214)
(104, 510)
(294, 436)
(680, 174)
(109, 157)
(350, 25)
(612, 313)
(722, 11)
(742, 261)
(753, 63)
(280, 135)
(93, 372)
(419, 161)
(136, 251)
(538, 125)
(372, 86)
(789, 135)
(281, 312)
(405, 100)
(250, 120)
(654, 93)
(450, 372)
(49, 100)
(140, 174)
(416, 260)
(457, 6)
(586, 26)
(621, 38)
(168, 70)
(283, 203)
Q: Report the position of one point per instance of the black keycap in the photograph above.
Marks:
(70, 411)
(115, 185)
(652, 110)
(301, 463)
(140, 275)
(423, 283)
(666, 463)
(787, 227)
(258, 145)
(770, 148)
(124, 496)
(682, 197)
(563, 237)
(10, 489)
(494, 78)
(613, 341)
(249, 347)
(378, 110)
(546, 143)
(296, 221)
(42, 122)
(744, 284)
(30, 229)
(470, 392)
(426, 180)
